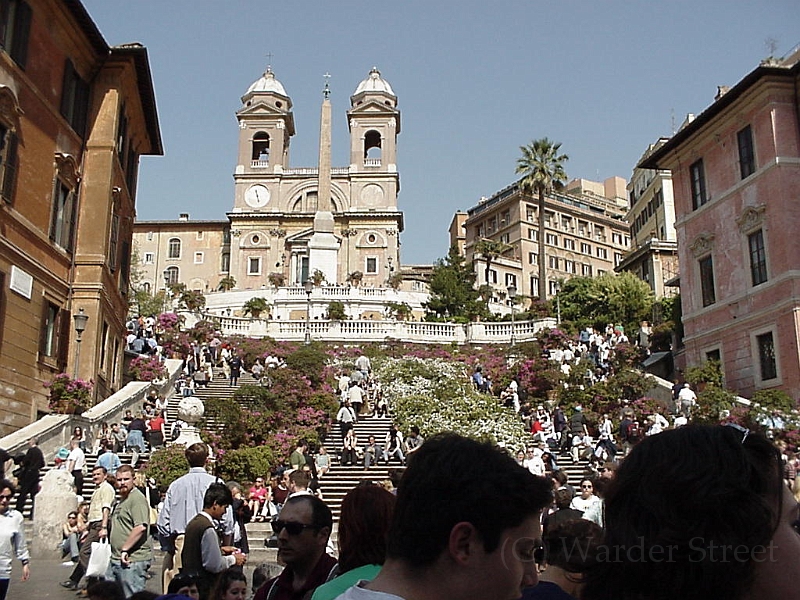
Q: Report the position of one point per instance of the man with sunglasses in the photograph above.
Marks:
(303, 528)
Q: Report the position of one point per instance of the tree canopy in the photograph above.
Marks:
(542, 170)
(452, 288)
(622, 299)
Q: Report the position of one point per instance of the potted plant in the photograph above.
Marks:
(255, 306)
(227, 283)
(317, 277)
(276, 279)
(395, 280)
(336, 311)
(69, 396)
(147, 368)
(355, 278)
(399, 310)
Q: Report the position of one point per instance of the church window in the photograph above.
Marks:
(372, 265)
(225, 262)
(261, 147)
(254, 265)
(372, 148)
(371, 238)
(174, 248)
(255, 239)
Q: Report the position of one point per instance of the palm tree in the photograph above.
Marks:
(490, 249)
(542, 168)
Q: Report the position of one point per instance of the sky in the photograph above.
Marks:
(475, 80)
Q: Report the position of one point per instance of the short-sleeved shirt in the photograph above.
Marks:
(129, 513)
(103, 497)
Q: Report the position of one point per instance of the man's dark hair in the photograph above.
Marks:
(197, 455)
(5, 484)
(105, 590)
(217, 493)
(321, 515)
(299, 478)
(99, 468)
(180, 580)
(453, 479)
(563, 497)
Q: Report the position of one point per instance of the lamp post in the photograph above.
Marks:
(166, 289)
(308, 286)
(512, 295)
(558, 303)
(79, 319)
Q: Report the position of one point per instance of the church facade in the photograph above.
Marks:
(289, 224)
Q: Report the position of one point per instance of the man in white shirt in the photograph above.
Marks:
(75, 463)
(687, 399)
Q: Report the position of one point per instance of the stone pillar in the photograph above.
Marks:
(323, 247)
(53, 502)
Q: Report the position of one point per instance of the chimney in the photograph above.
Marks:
(721, 91)
(183, 217)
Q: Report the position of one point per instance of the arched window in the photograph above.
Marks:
(261, 146)
(372, 145)
(146, 287)
(174, 248)
(172, 275)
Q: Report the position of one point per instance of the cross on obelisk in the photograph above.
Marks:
(326, 92)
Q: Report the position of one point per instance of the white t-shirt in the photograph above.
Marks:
(79, 457)
(359, 593)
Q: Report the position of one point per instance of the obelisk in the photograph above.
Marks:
(323, 247)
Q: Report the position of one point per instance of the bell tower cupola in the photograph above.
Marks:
(374, 124)
(266, 125)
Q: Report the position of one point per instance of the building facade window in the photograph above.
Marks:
(758, 257)
(569, 266)
(492, 276)
(225, 262)
(747, 156)
(49, 330)
(551, 239)
(75, 99)
(552, 262)
(65, 215)
(149, 258)
(601, 253)
(534, 287)
(511, 279)
(15, 28)
(533, 234)
(707, 293)
(254, 265)
(8, 162)
(174, 250)
(533, 258)
(569, 243)
(554, 287)
(697, 177)
(173, 275)
(586, 270)
(586, 248)
(198, 258)
(113, 243)
(371, 265)
(766, 356)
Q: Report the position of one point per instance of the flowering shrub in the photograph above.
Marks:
(437, 395)
(146, 368)
(68, 395)
(167, 464)
(167, 321)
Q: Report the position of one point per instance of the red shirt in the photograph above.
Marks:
(283, 582)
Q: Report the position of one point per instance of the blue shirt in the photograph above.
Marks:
(184, 501)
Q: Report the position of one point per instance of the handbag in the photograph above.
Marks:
(99, 559)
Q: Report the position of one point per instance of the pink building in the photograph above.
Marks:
(736, 175)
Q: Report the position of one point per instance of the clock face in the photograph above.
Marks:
(257, 196)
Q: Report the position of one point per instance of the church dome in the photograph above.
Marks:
(267, 83)
(374, 83)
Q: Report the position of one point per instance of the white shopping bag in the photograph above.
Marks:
(99, 559)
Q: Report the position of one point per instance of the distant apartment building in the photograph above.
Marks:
(75, 117)
(585, 234)
(195, 253)
(736, 175)
(653, 256)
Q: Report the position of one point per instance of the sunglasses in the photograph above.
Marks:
(6, 497)
(291, 527)
(586, 487)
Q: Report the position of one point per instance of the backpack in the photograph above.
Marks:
(634, 433)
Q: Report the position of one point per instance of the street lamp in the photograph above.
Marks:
(512, 294)
(166, 289)
(558, 303)
(80, 320)
(308, 286)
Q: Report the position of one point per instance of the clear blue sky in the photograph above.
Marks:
(474, 80)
